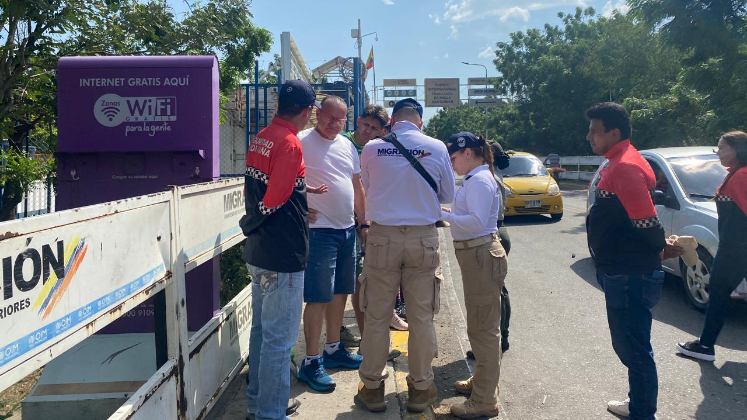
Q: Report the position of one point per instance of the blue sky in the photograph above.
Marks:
(416, 38)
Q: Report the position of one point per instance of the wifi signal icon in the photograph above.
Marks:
(110, 112)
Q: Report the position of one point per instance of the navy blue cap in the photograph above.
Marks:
(462, 140)
(408, 103)
(299, 93)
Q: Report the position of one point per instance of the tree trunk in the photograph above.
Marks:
(12, 196)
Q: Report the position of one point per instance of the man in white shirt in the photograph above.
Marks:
(330, 160)
(402, 249)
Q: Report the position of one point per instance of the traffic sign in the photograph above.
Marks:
(399, 82)
(442, 92)
(399, 93)
(478, 81)
(486, 102)
(482, 92)
(389, 103)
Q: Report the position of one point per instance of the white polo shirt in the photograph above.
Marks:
(330, 162)
(396, 194)
(476, 206)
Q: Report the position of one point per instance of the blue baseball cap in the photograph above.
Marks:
(299, 93)
(408, 103)
(462, 140)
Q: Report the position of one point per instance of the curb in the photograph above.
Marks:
(398, 340)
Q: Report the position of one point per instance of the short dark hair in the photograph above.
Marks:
(612, 116)
(737, 140)
(376, 112)
(289, 110)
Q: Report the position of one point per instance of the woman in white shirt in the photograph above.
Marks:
(482, 261)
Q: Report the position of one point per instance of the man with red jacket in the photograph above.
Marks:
(628, 244)
(277, 248)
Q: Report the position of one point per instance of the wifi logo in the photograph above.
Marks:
(108, 110)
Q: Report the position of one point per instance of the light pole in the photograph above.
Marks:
(486, 88)
(358, 35)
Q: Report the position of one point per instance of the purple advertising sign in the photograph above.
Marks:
(137, 104)
(130, 126)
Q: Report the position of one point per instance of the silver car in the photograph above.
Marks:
(686, 182)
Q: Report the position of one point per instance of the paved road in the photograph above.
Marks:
(561, 364)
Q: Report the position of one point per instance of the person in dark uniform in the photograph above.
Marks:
(730, 264)
(629, 244)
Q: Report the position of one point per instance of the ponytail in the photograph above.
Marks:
(485, 152)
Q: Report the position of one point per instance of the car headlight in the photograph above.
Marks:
(553, 190)
(509, 194)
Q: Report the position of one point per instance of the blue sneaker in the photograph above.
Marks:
(342, 358)
(314, 375)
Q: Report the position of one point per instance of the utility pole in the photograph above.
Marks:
(486, 88)
(360, 41)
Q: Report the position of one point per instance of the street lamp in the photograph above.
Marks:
(357, 34)
(486, 88)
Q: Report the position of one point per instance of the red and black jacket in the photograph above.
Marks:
(277, 214)
(622, 227)
(731, 203)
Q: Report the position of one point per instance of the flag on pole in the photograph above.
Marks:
(370, 61)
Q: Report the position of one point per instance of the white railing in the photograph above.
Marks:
(142, 245)
(40, 199)
(569, 162)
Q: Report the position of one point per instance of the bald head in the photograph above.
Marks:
(331, 117)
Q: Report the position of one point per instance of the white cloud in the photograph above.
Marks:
(434, 18)
(621, 6)
(388, 2)
(515, 12)
(454, 32)
(446, 55)
(486, 53)
(462, 11)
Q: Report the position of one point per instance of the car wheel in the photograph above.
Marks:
(697, 278)
(557, 216)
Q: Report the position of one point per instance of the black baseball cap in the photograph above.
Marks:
(299, 93)
(462, 140)
(408, 103)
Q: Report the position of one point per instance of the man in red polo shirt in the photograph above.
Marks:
(277, 248)
(628, 244)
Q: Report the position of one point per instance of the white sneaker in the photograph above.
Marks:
(621, 408)
(398, 323)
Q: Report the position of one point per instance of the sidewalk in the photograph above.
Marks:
(448, 367)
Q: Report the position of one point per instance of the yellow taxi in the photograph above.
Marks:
(531, 189)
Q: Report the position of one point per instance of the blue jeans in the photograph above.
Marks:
(277, 299)
(630, 299)
(331, 268)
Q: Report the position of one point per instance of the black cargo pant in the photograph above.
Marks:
(505, 301)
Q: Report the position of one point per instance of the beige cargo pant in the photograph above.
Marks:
(407, 256)
(483, 268)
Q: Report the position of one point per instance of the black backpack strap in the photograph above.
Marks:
(392, 138)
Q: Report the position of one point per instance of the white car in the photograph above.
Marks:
(686, 182)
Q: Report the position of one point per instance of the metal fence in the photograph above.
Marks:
(579, 167)
(40, 199)
(165, 235)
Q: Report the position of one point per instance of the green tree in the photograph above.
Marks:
(553, 74)
(448, 121)
(35, 33)
(710, 96)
